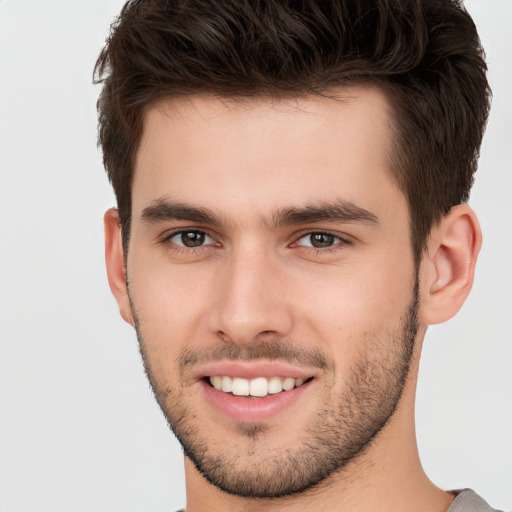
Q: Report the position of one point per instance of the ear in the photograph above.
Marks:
(116, 265)
(448, 265)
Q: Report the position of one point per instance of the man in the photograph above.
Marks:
(291, 181)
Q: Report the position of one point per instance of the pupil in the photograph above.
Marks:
(192, 238)
(321, 240)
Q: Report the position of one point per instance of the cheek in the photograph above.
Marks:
(355, 306)
(164, 290)
(170, 302)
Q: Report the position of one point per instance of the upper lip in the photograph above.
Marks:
(252, 370)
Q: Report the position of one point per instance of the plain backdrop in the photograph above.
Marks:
(79, 428)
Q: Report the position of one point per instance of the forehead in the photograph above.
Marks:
(266, 153)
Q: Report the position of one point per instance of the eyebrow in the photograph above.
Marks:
(333, 211)
(163, 210)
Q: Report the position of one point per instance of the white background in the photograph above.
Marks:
(79, 428)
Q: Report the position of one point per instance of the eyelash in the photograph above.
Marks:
(166, 240)
(341, 242)
(338, 245)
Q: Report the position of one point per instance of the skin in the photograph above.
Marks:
(257, 281)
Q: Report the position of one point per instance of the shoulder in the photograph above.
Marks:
(467, 500)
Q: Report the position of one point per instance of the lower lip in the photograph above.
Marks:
(252, 410)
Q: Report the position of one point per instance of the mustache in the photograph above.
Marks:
(270, 350)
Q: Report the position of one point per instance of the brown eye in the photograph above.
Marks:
(319, 240)
(322, 240)
(191, 239)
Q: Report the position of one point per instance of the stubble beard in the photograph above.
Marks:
(340, 432)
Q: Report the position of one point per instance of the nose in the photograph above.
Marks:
(250, 298)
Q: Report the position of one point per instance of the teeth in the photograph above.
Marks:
(258, 387)
(275, 385)
(240, 387)
(217, 382)
(227, 384)
(288, 384)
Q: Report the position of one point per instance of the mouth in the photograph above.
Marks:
(258, 387)
(254, 392)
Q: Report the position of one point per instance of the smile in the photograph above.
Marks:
(254, 399)
(255, 391)
(257, 387)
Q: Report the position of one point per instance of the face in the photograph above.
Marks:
(272, 283)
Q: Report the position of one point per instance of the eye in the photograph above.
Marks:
(191, 239)
(319, 240)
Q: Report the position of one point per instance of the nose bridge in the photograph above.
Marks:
(248, 296)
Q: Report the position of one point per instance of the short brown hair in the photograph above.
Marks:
(425, 54)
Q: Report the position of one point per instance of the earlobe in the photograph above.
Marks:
(448, 267)
(115, 261)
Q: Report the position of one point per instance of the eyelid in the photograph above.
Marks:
(166, 238)
(337, 234)
(342, 238)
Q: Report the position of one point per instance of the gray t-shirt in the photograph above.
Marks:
(465, 501)
(469, 501)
